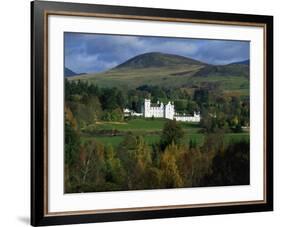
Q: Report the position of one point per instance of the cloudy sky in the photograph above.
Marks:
(85, 53)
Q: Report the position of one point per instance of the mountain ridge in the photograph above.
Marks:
(157, 59)
(245, 62)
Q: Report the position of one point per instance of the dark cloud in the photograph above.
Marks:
(95, 53)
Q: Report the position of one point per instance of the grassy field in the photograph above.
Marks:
(136, 77)
(142, 125)
(151, 129)
(172, 76)
(151, 139)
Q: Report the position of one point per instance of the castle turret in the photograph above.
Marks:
(147, 111)
(169, 111)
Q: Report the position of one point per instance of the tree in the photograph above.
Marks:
(117, 115)
(112, 98)
(115, 174)
(71, 138)
(172, 133)
(71, 150)
(184, 163)
(180, 105)
(114, 115)
(153, 178)
(92, 167)
(201, 96)
(192, 106)
(93, 107)
(170, 173)
(192, 143)
(135, 156)
(231, 167)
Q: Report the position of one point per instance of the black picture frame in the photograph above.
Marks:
(39, 121)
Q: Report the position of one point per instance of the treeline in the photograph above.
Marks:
(90, 103)
(227, 113)
(113, 98)
(92, 166)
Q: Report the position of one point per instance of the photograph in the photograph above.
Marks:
(146, 113)
(154, 112)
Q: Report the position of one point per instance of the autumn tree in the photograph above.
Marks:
(170, 173)
(231, 167)
(71, 150)
(92, 166)
(136, 159)
(184, 163)
(114, 171)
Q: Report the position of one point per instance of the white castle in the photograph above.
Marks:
(160, 110)
(167, 111)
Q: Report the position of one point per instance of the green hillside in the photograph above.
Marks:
(168, 70)
(156, 59)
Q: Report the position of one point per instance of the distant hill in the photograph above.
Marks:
(246, 62)
(168, 70)
(157, 59)
(69, 73)
(224, 70)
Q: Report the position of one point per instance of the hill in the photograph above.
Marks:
(69, 73)
(224, 70)
(246, 62)
(174, 71)
(157, 59)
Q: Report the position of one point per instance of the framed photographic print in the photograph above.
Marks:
(142, 113)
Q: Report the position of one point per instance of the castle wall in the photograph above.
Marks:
(188, 118)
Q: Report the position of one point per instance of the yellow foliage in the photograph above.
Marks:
(69, 117)
(170, 172)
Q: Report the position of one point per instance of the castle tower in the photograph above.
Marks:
(147, 112)
(169, 111)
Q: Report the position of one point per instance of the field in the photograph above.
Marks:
(112, 133)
